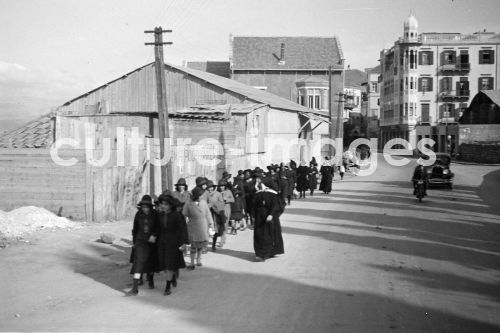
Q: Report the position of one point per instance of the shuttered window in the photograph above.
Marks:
(425, 84)
(448, 58)
(425, 58)
(486, 57)
(425, 113)
(445, 84)
(485, 83)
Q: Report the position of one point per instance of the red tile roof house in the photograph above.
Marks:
(295, 68)
(201, 106)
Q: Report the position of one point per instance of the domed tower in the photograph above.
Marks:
(411, 29)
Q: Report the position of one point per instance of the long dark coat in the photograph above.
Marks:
(172, 234)
(302, 178)
(267, 237)
(292, 179)
(326, 178)
(283, 188)
(143, 255)
(313, 178)
(249, 196)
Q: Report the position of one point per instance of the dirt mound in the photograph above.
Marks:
(25, 220)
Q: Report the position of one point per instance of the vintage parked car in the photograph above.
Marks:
(439, 173)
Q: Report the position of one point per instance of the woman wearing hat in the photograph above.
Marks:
(326, 171)
(199, 220)
(313, 176)
(216, 205)
(201, 183)
(144, 234)
(172, 237)
(249, 187)
(181, 192)
(302, 179)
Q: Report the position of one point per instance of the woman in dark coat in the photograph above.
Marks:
(292, 179)
(144, 234)
(313, 177)
(302, 179)
(267, 237)
(326, 176)
(172, 238)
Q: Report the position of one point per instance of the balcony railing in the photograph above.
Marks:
(458, 67)
(454, 94)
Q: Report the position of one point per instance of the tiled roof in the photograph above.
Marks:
(494, 95)
(354, 78)
(35, 134)
(299, 53)
(221, 68)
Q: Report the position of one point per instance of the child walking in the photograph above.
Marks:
(237, 213)
(144, 234)
(199, 220)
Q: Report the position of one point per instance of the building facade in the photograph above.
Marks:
(295, 68)
(428, 79)
(372, 102)
(353, 100)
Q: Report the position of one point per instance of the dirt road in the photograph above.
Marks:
(366, 258)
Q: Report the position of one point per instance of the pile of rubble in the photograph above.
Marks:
(26, 220)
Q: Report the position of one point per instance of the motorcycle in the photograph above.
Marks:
(420, 190)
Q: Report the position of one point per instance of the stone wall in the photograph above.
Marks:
(479, 133)
(480, 152)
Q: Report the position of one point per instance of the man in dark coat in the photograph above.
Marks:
(267, 238)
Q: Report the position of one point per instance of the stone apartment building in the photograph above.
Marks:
(428, 80)
(372, 102)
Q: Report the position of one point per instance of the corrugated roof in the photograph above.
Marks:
(299, 53)
(38, 133)
(251, 93)
(242, 108)
(35, 134)
(494, 95)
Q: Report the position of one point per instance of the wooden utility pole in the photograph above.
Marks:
(161, 98)
(331, 132)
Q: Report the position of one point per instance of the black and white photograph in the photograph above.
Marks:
(250, 166)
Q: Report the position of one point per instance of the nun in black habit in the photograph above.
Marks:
(267, 206)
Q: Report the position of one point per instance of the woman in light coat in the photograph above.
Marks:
(199, 219)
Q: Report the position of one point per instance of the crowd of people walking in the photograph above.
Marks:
(183, 223)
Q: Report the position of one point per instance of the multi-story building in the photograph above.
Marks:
(353, 127)
(428, 79)
(372, 102)
(295, 68)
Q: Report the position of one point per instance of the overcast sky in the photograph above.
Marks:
(54, 50)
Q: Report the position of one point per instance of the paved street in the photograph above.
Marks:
(366, 258)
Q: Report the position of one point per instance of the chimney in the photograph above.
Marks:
(282, 55)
